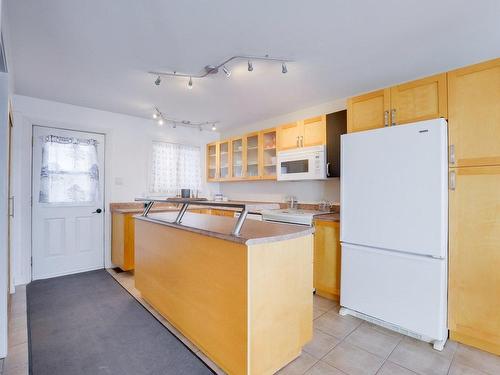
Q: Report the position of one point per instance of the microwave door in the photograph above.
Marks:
(295, 169)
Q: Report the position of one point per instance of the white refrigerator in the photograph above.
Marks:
(394, 228)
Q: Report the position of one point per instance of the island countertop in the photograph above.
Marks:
(252, 232)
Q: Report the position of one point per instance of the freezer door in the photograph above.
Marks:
(394, 188)
(402, 289)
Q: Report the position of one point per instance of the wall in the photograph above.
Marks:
(273, 191)
(127, 158)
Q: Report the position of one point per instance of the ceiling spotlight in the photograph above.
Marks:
(226, 71)
(158, 81)
(160, 122)
(190, 83)
(213, 127)
(283, 68)
(250, 66)
(155, 115)
(174, 125)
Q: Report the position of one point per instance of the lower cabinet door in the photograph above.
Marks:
(327, 259)
(474, 257)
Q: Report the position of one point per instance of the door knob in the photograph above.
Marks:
(98, 211)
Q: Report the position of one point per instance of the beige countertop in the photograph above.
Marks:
(252, 207)
(252, 232)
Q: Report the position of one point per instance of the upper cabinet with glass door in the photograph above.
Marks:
(212, 161)
(268, 153)
(237, 158)
(224, 160)
(251, 156)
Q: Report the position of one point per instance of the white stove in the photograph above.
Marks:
(291, 216)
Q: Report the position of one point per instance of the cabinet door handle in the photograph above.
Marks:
(453, 181)
(386, 118)
(301, 141)
(328, 169)
(298, 141)
(393, 117)
(452, 155)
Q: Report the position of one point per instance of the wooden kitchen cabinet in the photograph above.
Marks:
(474, 114)
(313, 131)
(251, 156)
(419, 100)
(326, 264)
(368, 111)
(268, 154)
(122, 240)
(237, 167)
(474, 257)
(224, 163)
(304, 133)
(212, 162)
(287, 136)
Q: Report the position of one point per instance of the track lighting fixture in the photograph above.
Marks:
(214, 69)
(161, 119)
(226, 71)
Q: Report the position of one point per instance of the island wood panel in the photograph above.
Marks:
(419, 100)
(368, 111)
(327, 259)
(474, 256)
(474, 114)
(199, 284)
(280, 302)
(122, 240)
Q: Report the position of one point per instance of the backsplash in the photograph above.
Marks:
(274, 191)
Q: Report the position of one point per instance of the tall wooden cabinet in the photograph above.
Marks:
(418, 100)
(474, 253)
(474, 243)
(474, 115)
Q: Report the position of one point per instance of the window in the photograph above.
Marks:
(70, 173)
(175, 167)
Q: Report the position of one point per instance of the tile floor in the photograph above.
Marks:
(341, 345)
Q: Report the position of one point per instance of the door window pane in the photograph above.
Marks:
(70, 172)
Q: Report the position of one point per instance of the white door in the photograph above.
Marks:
(394, 188)
(68, 203)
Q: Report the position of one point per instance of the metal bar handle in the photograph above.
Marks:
(452, 155)
(393, 117)
(453, 180)
(239, 222)
(386, 118)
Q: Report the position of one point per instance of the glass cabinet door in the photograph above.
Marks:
(211, 161)
(252, 156)
(224, 159)
(269, 154)
(237, 158)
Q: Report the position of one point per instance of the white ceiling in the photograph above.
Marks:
(97, 53)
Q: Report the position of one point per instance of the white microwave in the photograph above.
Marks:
(305, 163)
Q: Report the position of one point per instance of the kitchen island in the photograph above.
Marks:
(244, 300)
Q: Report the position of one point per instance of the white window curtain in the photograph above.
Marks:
(175, 167)
(70, 172)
